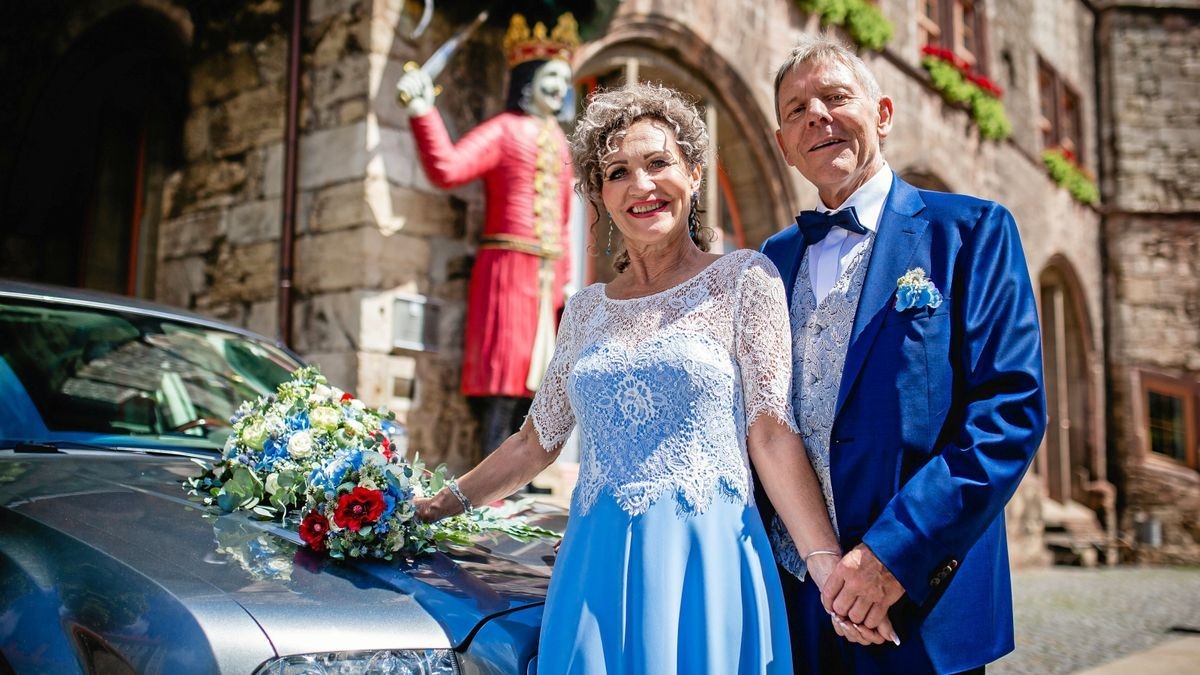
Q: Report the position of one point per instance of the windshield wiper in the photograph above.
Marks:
(36, 449)
(56, 446)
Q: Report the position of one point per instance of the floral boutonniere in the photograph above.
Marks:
(915, 290)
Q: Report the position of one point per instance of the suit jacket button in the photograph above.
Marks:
(935, 581)
(947, 570)
(953, 565)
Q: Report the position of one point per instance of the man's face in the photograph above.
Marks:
(830, 129)
(550, 85)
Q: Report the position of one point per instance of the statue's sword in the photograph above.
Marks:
(437, 61)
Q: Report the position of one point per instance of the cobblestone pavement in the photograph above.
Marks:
(1069, 618)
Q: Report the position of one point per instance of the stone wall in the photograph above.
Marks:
(1152, 245)
(369, 228)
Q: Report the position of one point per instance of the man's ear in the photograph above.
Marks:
(783, 147)
(885, 116)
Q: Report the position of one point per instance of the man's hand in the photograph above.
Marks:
(861, 589)
(416, 92)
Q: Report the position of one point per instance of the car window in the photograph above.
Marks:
(113, 372)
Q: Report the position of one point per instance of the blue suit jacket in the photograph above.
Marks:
(939, 414)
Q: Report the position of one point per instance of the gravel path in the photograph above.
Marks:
(1070, 618)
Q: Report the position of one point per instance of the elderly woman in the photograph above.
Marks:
(677, 373)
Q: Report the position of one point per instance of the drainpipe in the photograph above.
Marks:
(291, 147)
(1112, 496)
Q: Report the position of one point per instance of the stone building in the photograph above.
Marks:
(163, 148)
(1150, 130)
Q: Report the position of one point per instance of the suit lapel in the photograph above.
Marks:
(898, 235)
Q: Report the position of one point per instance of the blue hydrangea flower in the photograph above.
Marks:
(915, 290)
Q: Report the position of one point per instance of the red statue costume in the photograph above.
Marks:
(523, 259)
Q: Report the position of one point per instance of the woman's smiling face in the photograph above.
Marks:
(647, 184)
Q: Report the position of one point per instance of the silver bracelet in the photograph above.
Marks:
(821, 552)
(452, 485)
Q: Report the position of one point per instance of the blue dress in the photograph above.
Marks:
(665, 566)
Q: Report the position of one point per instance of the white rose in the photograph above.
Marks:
(354, 428)
(324, 417)
(254, 434)
(357, 404)
(300, 444)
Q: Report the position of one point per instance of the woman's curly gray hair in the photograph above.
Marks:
(609, 115)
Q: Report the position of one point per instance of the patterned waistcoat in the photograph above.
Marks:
(820, 339)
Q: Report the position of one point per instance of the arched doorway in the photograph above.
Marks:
(1069, 462)
(746, 195)
(98, 138)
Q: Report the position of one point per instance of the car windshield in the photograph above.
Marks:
(80, 373)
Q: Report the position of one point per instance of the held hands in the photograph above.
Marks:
(415, 91)
(857, 593)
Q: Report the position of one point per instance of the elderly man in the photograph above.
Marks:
(917, 387)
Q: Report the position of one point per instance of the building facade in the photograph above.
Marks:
(174, 152)
(1150, 122)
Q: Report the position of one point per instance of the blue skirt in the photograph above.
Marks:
(665, 592)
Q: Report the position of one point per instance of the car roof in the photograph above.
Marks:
(80, 297)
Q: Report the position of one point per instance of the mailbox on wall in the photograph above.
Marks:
(414, 323)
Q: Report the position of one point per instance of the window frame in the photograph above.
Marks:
(1052, 129)
(1186, 389)
(947, 30)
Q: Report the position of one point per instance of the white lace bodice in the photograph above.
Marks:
(665, 387)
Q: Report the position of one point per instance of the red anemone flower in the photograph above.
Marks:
(385, 446)
(358, 507)
(313, 529)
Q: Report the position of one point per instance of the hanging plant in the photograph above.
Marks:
(862, 20)
(1066, 172)
(959, 85)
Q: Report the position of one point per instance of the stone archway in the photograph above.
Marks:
(749, 189)
(97, 139)
(1071, 457)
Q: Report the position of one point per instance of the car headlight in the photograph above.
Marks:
(384, 662)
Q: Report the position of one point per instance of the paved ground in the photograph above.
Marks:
(1070, 619)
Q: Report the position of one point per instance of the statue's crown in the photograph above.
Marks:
(522, 44)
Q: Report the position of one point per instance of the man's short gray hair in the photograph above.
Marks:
(824, 48)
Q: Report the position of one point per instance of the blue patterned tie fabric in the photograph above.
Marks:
(815, 225)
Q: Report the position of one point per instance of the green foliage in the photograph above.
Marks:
(986, 109)
(989, 114)
(862, 20)
(1069, 175)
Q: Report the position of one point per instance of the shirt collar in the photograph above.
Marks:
(868, 199)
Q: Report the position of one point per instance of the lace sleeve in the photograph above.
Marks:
(763, 343)
(551, 412)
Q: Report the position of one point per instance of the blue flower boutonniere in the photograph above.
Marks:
(915, 290)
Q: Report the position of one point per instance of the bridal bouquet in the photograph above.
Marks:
(314, 450)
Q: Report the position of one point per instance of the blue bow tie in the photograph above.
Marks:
(815, 225)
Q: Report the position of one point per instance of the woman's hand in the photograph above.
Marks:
(425, 510)
(860, 634)
(820, 567)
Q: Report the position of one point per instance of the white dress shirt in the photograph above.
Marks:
(827, 259)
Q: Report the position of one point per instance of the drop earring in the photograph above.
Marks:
(608, 248)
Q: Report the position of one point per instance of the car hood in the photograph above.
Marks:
(131, 509)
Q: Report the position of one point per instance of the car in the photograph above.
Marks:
(106, 565)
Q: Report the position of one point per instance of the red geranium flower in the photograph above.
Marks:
(358, 507)
(346, 398)
(313, 529)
